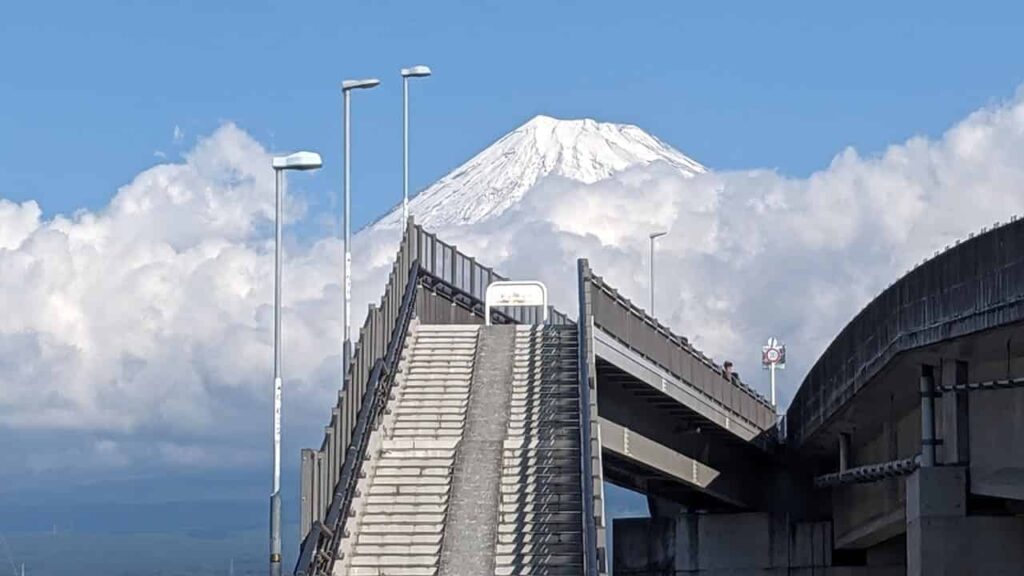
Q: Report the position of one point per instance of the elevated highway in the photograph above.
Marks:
(912, 420)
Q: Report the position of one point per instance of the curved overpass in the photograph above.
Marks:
(912, 420)
(973, 287)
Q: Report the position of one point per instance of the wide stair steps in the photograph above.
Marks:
(540, 527)
(399, 518)
(426, 482)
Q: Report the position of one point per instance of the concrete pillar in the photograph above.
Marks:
(927, 416)
(844, 451)
(936, 507)
(959, 435)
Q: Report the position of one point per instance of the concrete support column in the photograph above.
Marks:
(936, 509)
(844, 451)
(957, 438)
(927, 416)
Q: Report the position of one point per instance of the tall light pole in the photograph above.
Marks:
(346, 350)
(653, 236)
(414, 72)
(296, 161)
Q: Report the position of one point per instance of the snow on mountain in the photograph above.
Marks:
(495, 179)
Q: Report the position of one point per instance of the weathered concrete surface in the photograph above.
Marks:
(733, 545)
(943, 541)
(473, 513)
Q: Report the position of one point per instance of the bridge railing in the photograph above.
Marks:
(460, 281)
(591, 468)
(637, 330)
(464, 279)
(321, 469)
(967, 288)
(319, 549)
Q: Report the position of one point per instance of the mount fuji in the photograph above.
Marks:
(494, 180)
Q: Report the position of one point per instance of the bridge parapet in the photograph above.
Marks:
(970, 287)
(639, 332)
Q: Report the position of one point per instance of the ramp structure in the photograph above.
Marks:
(460, 449)
(474, 467)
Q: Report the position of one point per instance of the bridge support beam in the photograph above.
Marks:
(956, 416)
(927, 416)
(844, 452)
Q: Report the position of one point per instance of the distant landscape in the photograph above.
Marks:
(195, 538)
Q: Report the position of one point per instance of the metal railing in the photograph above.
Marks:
(465, 281)
(327, 473)
(321, 468)
(319, 549)
(634, 328)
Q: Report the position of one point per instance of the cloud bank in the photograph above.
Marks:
(141, 335)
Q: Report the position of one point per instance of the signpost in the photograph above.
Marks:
(773, 355)
(510, 293)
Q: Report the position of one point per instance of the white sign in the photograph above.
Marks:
(510, 293)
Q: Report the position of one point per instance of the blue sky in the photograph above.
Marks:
(101, 86)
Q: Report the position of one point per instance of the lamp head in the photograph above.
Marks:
(358, 84)
(654, 235)
(416, 72)
(298, 161)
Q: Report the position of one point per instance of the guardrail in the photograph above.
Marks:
(591, 475)
(319, 549)
(463, 279)
(643, 334)
(321, 468)
(326, 473)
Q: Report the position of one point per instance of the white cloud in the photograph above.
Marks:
(144, 329)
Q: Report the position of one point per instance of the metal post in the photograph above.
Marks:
(275, 495)
(652, 275)
(405, 146)
(772, 369)
(844, 452)
(653, 236)
(346, 350)
(927, 416)
(962, 415)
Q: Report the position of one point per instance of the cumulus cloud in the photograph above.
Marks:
(143, 331)
(752, 254)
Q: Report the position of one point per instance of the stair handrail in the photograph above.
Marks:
(320, 548)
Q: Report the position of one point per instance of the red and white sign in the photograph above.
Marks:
(773, 354)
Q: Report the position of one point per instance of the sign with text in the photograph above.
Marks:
(512, 293)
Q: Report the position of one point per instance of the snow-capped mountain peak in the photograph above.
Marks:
(494, 180)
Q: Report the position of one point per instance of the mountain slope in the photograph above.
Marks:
(495, 179)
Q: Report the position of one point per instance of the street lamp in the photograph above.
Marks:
(296, 161)
(346, 351)
(414, 72)
(653, 236)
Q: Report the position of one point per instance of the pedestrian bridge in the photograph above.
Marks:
(459, 448)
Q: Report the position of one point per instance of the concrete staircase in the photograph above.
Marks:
(540, 531)
(400, 515)
(475, 468)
